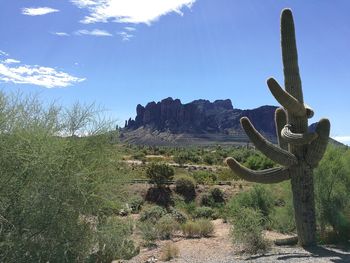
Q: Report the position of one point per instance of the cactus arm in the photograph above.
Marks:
(297, 138)
(317, 148)
(292, 81)
(273, 152)
(268, 176)
(309, 111)
(281, 121)
(290, 103)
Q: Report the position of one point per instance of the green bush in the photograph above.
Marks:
(207, 200)
(152, 213)
(50, 185)
(258, 162)
(148, 233)
(160, 173)
(191, 229)
(247, 231)
(332, 192)
(198, 228)
(114, 241)
(204, 177)
(135, 204)
(178, 215)
(218, 195)
(166, 226)
(206, 227)
(205, 212)
(185, 186)
(258, 198)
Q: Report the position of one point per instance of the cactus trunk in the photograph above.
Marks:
(298, 150)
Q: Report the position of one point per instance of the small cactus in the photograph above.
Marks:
(299, 151)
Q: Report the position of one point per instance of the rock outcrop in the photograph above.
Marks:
(200, 117)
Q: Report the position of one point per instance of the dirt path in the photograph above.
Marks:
(219, 249)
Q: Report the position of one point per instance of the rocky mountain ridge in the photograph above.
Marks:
(171, 120)
(199, 116)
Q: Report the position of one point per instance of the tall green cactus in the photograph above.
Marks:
(299, 151)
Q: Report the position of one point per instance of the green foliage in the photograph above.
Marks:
(217, 194)
(148, 233)
(205, 212)
(178, 215)
(160, 173)
(204, 177)
(247, 231)
(191, 229)
(114, 241)
(206, 227)
(135, 203)
(51, 185)
(258, 162)
(185, 185)
(198, 228)
(332, 191)
(166, 226)
(257, 198)
(152, 213)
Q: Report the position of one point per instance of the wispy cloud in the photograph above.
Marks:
(130, 29)
(343, 139)
(11, 61)
(125, 36)
(38, 11)
(130, 11)
(3, 53)
(61, 34)
(46, 77)
(95, 32)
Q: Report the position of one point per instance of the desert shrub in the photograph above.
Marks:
(205, 212)
(185, 186)
(179, 216)
(49, 184)
(114, 241)
(206, 227)
(148, 233)
(259, 162)
(206, 200)
(159, 195)
(169, 251)
(191, 229)
(166, 226)
(209, 159)
(258, 198)
(135, 204)
(332, 192)
(204, 177)
(152, 213)
(217, 194)
(159, 173)
(247, 231)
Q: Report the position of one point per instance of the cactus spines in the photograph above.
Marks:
(299, 151)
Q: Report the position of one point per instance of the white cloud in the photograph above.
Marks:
(95, 32)
(11, 61)
(129, 28)
(61, 34)
(3, 53)
(38, 11)
(343, 139)
(35, 75)
(125, 36)
(130, 11)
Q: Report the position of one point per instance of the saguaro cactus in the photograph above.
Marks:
(298, 151)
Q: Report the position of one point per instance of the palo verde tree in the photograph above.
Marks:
(299, 150)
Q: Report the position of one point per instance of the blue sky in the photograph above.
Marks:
(119, 53)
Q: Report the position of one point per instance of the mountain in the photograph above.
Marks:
(169, 122)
